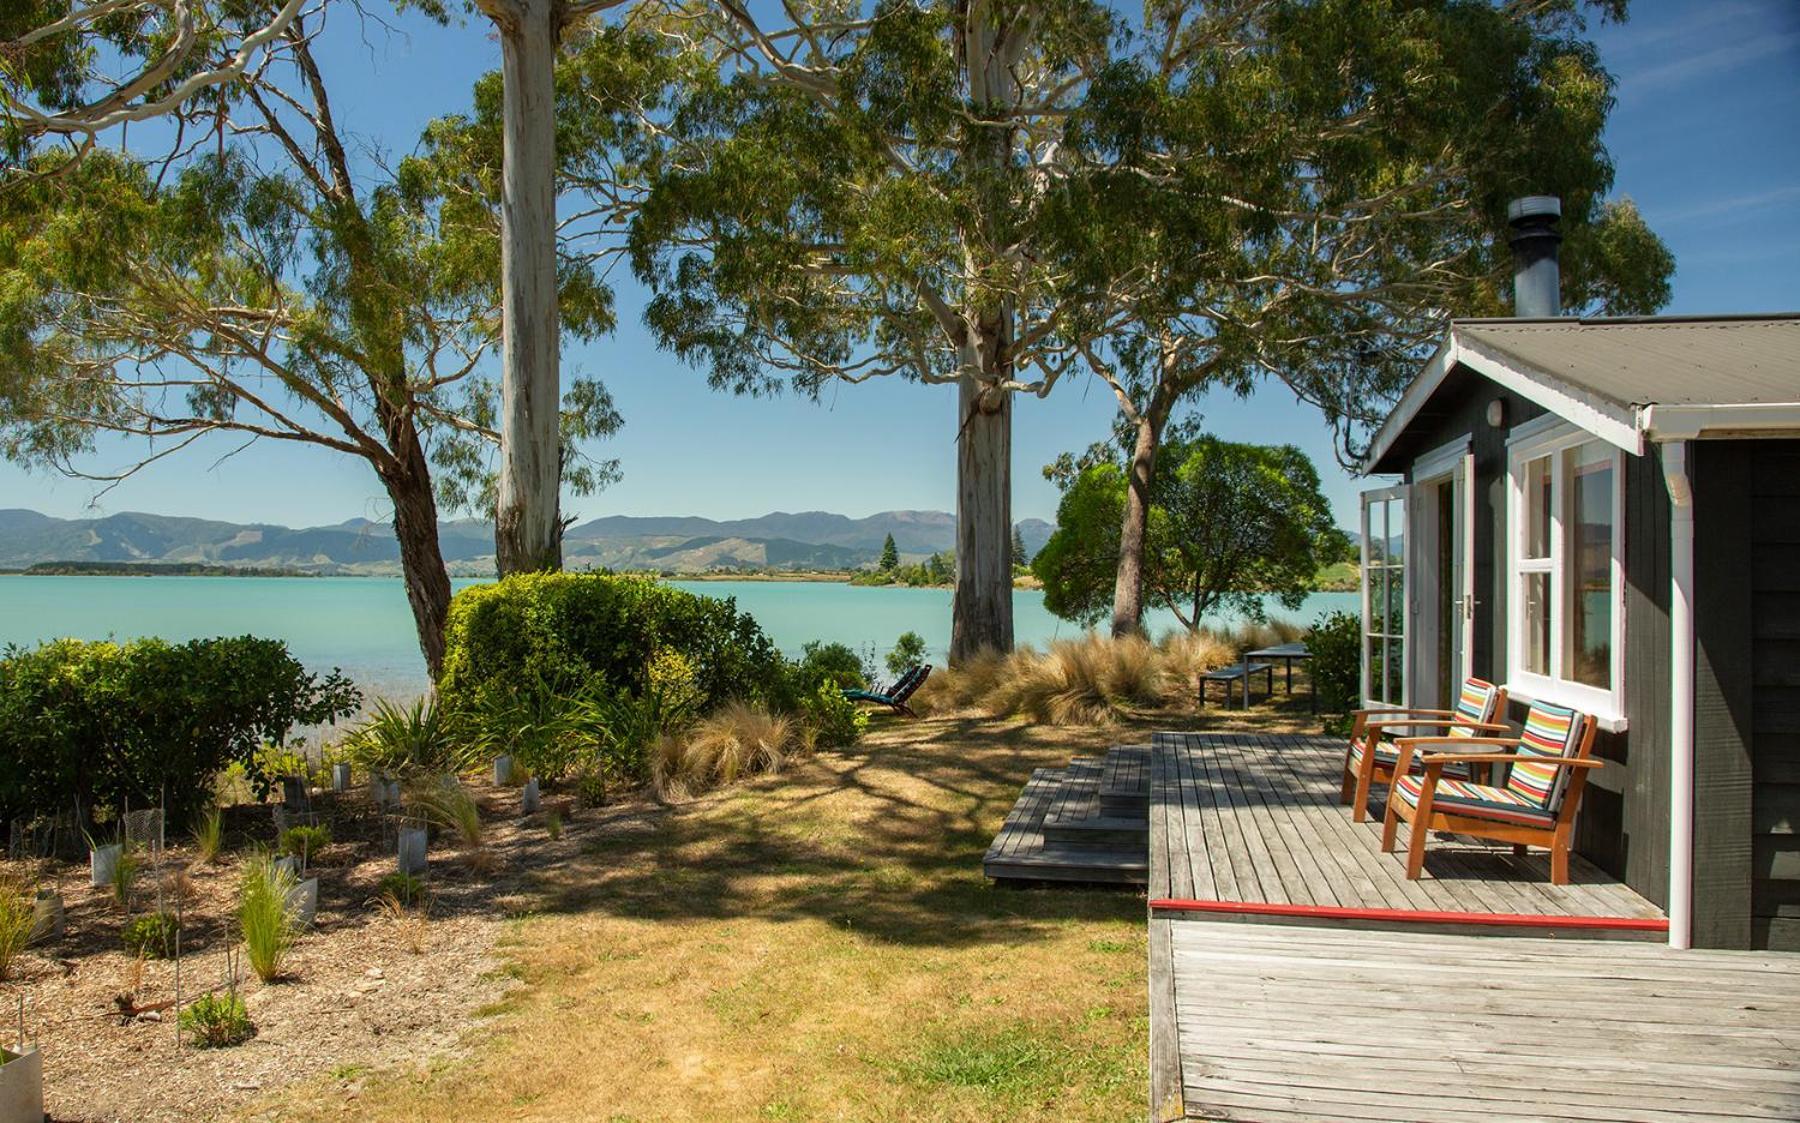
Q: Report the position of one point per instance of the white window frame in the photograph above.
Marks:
(1530, 442)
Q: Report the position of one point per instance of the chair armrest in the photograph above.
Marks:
(1460, 723)
(1510, 758)
(1400, 711)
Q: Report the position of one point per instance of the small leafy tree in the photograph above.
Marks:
(1021, 558)
(909, 651)
(1228, 525)
(890, 555)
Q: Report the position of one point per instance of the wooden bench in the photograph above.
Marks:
(1239, 673)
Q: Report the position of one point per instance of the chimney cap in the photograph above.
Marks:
(1534, 206)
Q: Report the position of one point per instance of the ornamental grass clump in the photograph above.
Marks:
(209, 835)
(736, 741)
(16, 904)
(266, 920)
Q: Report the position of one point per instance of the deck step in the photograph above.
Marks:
(1125, 781)
(1087, 822)
(1100, 832)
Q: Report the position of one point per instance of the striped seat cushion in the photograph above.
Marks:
(1550, 731)
(1387, 754)
(1480, 801)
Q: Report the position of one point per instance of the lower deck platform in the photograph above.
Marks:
(1301, 1023)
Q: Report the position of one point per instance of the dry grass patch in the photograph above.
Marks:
(820, 945)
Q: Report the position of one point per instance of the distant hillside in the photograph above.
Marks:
(810, 540)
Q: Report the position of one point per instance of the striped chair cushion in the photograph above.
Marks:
(1387, 754)
(1475, 703)
(1480, 801)
(1550, 731)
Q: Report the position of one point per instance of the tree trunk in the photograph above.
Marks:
(1128, 585)
(527, 523)
(416, 527)
(982, 613)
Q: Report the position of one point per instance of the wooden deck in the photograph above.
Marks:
(1241, 819)
(1281, 1022)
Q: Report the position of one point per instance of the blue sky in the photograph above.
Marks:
(1706, 139)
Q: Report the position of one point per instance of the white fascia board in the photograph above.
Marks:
(1690, 422)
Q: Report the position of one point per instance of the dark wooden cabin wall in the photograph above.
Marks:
(1774, 533)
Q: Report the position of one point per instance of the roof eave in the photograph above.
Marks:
(1664, 423)
(1615, 422)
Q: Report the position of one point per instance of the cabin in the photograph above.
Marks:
(1605, 514)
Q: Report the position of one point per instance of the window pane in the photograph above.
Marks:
(1372, 658)
(1587, 565)
(1396, 603)
(1535, 590)
(1396, 651)
(1537, 508)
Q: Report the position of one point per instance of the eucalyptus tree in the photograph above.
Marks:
(860, 193)
(1304, 193)
(52, 83)
(274, 288)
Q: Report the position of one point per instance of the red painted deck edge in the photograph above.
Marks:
(1412, 916)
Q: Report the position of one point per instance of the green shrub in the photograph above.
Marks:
(218, 1020)
(152, 935)
(303, 842)
(266, 923)
(567, 629)
(909, 651)
(401, 741)
(830, 663)
(1336, 666)
(832, 720)
(148, 723)
(404, 888)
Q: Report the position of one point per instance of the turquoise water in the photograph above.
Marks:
(363, 625)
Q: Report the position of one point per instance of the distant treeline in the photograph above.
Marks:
(154, 569)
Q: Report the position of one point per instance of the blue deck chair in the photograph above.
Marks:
(895, 696)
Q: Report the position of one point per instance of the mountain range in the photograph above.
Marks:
(805, 540)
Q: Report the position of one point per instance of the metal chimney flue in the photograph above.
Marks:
(1537, 278)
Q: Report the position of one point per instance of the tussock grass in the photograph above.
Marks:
(736, 741)
(265, 922)
(209, 835)
(1089, 680)
(16, 904)
(444, 800)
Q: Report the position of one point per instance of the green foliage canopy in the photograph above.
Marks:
(1228, 525)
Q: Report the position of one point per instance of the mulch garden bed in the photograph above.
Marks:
(368, 988)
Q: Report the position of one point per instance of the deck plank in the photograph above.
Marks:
(1303, 1023)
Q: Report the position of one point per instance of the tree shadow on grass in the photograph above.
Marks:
(887, 838)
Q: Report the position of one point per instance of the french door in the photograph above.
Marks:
(1384, 590)
(1442, 601)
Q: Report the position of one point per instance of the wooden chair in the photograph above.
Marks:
(1536, 807)
(1478, 707)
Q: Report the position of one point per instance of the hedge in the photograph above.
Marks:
(565, 630)
(88, 725)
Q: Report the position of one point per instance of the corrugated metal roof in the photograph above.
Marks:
(1664, 360)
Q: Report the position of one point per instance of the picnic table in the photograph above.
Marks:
(1239, 673)
(1288, 653)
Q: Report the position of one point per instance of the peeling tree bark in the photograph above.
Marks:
(1128, 584)
(527, 521)
(408, 485)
